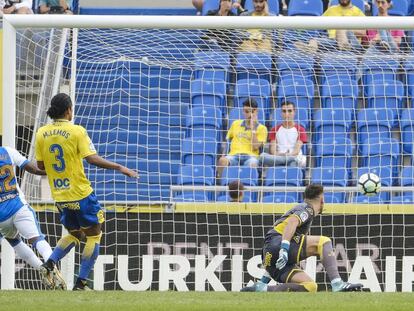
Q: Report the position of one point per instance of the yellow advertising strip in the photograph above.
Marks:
(252, 208)
(264, 208)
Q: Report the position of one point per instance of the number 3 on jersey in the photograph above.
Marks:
(58, 152)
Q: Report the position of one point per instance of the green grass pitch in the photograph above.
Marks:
(194, 301)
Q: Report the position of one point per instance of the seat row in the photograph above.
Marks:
(192, 175)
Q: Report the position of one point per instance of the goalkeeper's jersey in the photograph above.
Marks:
(303, 212)
(62, 146)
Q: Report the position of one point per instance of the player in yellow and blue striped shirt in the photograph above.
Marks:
(60, 149)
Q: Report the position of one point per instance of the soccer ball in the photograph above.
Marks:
(369, 184)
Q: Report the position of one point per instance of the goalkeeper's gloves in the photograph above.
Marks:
(283, 255)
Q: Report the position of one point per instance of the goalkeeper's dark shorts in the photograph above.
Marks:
(270, 254)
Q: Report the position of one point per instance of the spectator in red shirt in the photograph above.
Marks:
(286, 140)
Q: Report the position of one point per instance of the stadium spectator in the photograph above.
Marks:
(223, 10)
(258, 40)
(217, 39)
(384, 40)
(239, 5)
(55, 7)
(337, 38)
(236, 191)
(283, 5)
(286, 140)
(198, 4)
(289, 242)
(345, 38)
(247, 137)
(16, 6)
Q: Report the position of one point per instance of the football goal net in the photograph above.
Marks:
(196, 103)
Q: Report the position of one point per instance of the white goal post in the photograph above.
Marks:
(13, 23)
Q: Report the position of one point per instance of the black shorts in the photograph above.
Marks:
(270, 254)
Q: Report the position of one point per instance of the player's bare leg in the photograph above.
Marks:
(322, 246)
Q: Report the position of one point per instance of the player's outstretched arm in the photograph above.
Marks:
(98, 161)
(34, 169)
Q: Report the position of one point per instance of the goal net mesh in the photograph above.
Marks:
(161, 101)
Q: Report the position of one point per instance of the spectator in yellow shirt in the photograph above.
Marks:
(259, 40)
(247, 137)
(343, 37)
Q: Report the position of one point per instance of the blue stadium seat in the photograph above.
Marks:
(330, 176)
(358, 3)
(209, 5)
(254, 65)
(340, 94)
(407, 130)
(122, 191)
(211, 65)
(247, 175)
(204, 122)
(398, 8)
(409, 68)
(305, 7)
(331, 123)
(334, 197)
(407, 176)
(299, 91)
(387, 95)
(237, 114)
(333, 152)
(195, 175)
(284, 176)
(376, 199)
(273, 6)
(411, 7)
(373, 124)
(342, 67)
(384, 173)
(279, 198)
(197, 151)
(189, 196)
(259, 89)
(403, 199)
(206, 93)
(381, 152)
(301, 117)
(291, 65)
(291, 36)
(377, 70)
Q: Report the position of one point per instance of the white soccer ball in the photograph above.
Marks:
(369, 184)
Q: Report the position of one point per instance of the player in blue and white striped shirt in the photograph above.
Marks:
(17, 218)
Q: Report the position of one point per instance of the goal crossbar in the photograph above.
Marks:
(206, 22)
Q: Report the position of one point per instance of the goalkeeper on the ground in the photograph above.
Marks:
(288, 242)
